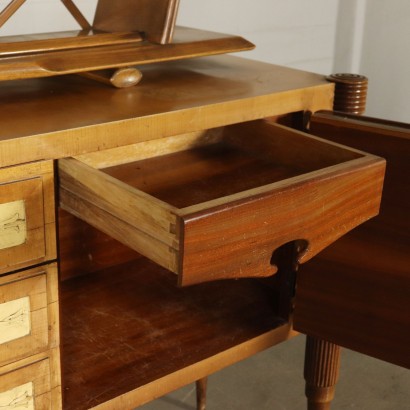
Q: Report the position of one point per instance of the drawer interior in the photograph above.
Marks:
(220, 162)
(201, 174)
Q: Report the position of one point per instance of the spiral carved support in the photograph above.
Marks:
(322, 362)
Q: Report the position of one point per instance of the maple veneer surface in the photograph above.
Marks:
(67, 115)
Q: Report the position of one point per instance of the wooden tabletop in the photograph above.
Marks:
(62, 116)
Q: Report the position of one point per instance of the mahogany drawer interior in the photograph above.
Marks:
(217, 203)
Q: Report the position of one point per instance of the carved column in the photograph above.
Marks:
(322, 362)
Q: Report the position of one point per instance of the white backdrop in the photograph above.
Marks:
(370, 37)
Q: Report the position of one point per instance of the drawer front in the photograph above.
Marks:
(27, 313)
(239, 239)
(26, 387)
(27, 222)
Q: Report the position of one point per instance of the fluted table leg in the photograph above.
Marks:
(322, 362)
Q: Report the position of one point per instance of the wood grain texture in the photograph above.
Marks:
(72, 116)
(95, 251)
(188, 43)
(220, 210)
(318, 207)
(36, 321)
(140, 210)
(29, 384)
(32, 186)
(117, 228)
(246, 232)
(55, 378)
(62, 40)
(156, 20)
(166, 337)
(9, 10)
(369, 267)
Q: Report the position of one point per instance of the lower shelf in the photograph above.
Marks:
(130, 335)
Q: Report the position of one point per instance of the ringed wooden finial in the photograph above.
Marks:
(350, 92)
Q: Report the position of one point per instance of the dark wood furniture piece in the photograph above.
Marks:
(369, 267)
(390, 140)
(128, 333)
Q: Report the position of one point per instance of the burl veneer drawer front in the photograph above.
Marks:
(28, 313)
(217, 203)
(25, 386)
(27, 216)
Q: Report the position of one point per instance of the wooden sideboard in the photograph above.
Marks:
(199, 173)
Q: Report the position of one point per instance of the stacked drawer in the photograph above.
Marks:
(29, 336)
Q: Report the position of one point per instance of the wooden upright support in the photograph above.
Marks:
(322, 362)
(322, 358)
(201, 393)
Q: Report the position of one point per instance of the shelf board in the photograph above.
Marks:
(62, 40)
(130, 335)
(105, 53)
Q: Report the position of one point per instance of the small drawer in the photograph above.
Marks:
(216, 204)
(25, 386)
(27, 221)
(28, 313)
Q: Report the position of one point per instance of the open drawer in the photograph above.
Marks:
(216, 204)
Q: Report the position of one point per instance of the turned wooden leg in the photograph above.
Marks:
(201, 393)
(322, 362)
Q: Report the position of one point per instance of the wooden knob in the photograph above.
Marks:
(119, 78)
(126, 77)
(350, 92)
